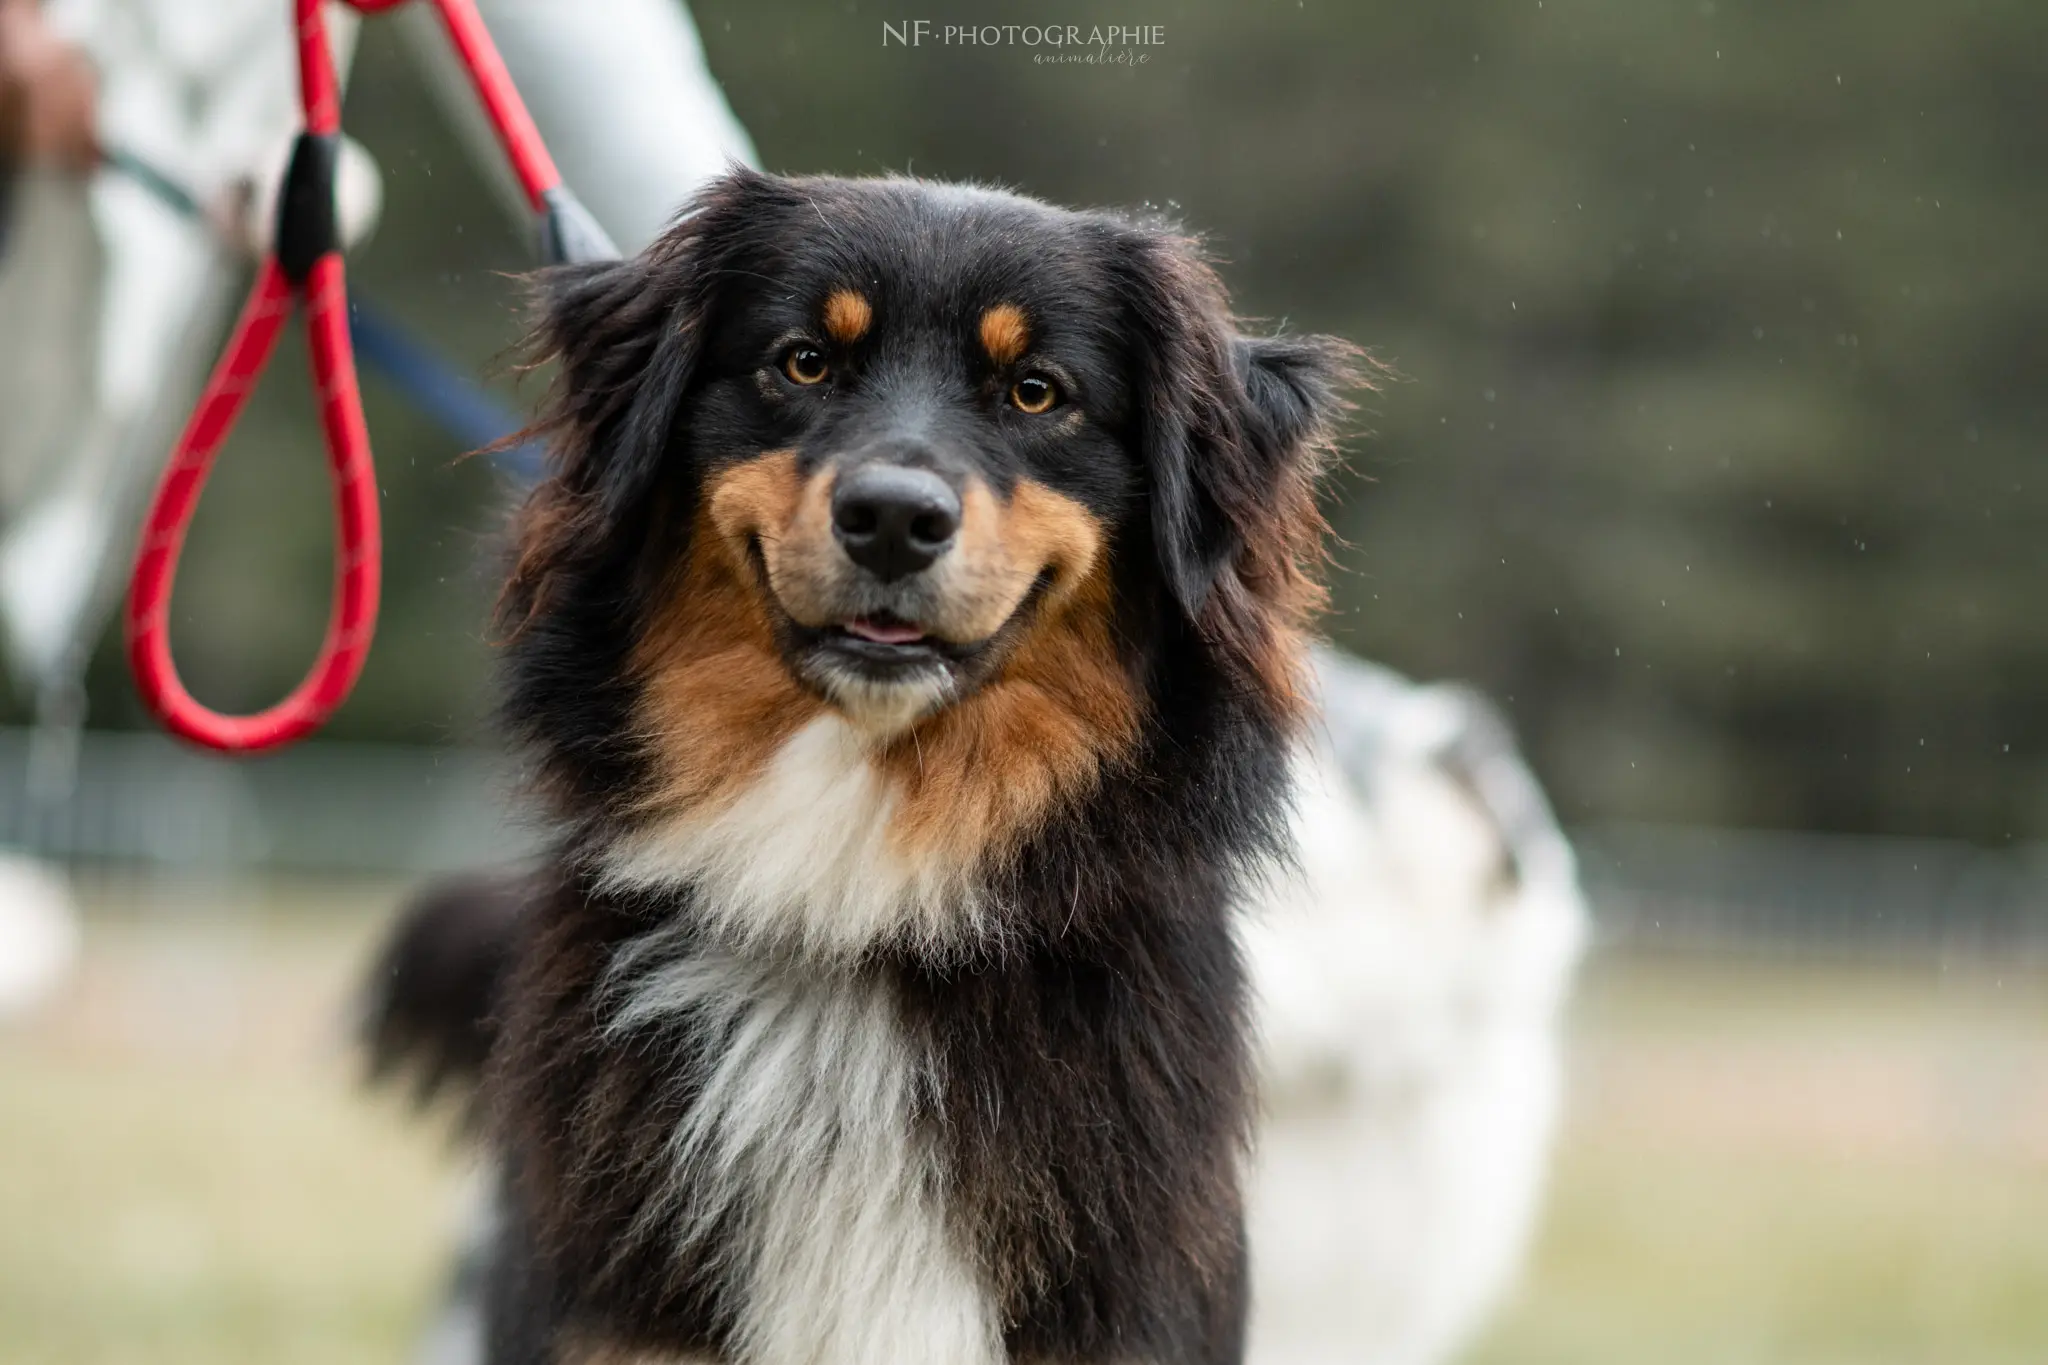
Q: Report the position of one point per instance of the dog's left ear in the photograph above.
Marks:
(1233, 431)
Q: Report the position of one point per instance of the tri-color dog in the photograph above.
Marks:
(909, 642)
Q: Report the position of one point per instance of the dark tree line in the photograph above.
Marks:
(1717, 454)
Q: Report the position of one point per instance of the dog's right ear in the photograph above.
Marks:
(621, 367)
(626, 338)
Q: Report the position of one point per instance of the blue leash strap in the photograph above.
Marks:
(456, 403)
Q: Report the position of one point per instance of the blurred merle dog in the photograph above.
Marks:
(909, 640)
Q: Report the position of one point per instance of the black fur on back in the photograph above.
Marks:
(1090, 1092)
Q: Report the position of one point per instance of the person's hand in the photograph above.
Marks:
(47, 94)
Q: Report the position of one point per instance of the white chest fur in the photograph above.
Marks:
(803, 857)
(803, 1133)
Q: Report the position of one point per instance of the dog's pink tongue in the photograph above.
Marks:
(884, 634)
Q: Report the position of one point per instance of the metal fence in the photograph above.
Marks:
(142, 802)
(140, 798)
(1819, 895)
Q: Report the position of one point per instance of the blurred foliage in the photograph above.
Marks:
(1716, 455)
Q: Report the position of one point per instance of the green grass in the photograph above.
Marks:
(1736, 1260)
(1764, 1165)
(1784, 1166)
(187, 1173)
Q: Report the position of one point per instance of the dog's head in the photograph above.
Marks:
(888, 447)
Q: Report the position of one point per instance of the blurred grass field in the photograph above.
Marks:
(1764, 1164)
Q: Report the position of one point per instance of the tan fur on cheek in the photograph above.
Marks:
(755, 499)
(716, 700)
(766, 501)
(847, 316)
(1004, 333)
(1004, 547)
(979, 777)
(1053, 530)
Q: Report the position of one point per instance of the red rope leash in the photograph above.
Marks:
(529, 155)
(305, 265)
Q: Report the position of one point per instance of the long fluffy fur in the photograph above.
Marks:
(783, 1069)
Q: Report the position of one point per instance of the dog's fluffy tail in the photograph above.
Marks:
(430, 1005)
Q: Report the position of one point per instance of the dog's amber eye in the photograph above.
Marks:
(1034, 394)
(805, 365)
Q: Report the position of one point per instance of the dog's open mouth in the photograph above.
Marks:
(873, 644)
(884, 628)
(882, 640)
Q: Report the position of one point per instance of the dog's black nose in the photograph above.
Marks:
(893, 520)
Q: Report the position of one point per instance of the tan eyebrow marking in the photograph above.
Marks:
(847, 316)
(1004, 333)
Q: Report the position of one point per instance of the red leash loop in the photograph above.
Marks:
(305, 265)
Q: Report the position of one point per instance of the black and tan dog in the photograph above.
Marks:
(908, 641)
